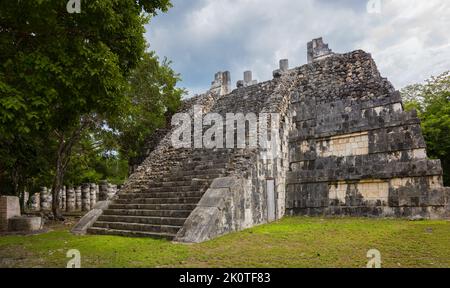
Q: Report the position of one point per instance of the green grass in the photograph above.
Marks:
(291, 242)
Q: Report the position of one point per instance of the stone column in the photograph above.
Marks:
(50, 199)
(112, 190)
(63, 198)
(78, 198)
(93, 195)
(97, 193)
(103, 190)
(85, 197)
(36, 202)
(284, 65)
(248, 80)
(26, 197)
(70, 199)
(248, 76)
(45, 205)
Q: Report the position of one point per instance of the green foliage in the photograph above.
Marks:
(26, 161)
(62, 75)
(93, 160)
(152, 98)
(432, 102)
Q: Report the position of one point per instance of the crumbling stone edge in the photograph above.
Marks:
(89, 218)
(219, 212)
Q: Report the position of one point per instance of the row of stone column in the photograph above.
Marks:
(80, 198)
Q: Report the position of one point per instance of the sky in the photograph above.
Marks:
(409, 39)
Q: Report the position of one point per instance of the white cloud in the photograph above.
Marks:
(409, 39)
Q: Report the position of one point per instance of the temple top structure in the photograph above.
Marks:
(318, 50)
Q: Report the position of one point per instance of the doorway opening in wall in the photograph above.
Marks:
(270, 188)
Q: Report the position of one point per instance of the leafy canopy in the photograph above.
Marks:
(432, 102)
(57, 69)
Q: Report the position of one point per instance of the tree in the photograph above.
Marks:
(95, 158)
(62, 74)
(153, 98)
(24, 159)
(432, 102)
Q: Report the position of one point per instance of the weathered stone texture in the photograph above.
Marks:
(346, 147)
(318, 50)
(25, 224)
(9, 208)
(225, 207)
(354, 149)
(78, 198)
(71, 199)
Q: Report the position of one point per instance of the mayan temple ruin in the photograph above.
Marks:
(346, 147)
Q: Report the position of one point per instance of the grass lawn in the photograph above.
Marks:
(291, 242)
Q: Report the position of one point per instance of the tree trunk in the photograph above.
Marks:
(18, 185)
(62, 160)
(56, 187)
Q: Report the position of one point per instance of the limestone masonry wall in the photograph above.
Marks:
(354, 151)
(9, 208)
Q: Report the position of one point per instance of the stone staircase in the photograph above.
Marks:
(164, 190)
(159, 207)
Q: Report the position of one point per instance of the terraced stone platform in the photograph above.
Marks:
(345, 146)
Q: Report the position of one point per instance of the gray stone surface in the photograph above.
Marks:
(220, 211)
(89, 218)
(221, 83)
(346, 147)
(25, 224)
(71, 200)
(36, 202)
(9, 208)
(78, 198)
(348, 96)
(318, 50)
(248, 80)
(284, 67)
(45, 199)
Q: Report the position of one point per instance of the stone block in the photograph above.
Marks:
(215, 197)
(25, 224)
(225, 182)
(89, 218)
(9, 208)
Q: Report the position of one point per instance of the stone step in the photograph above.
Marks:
(150, 213)
(217, 156)
(171, 189)
(192, 182)
(181, 176)
(154, 206)
(177, 183)
(188, 177)
(127, 233)
(143, 200)
(198, 166)
(146, 194)
(165, 229)
(185, 180)
(168, 221)
(200, 173)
